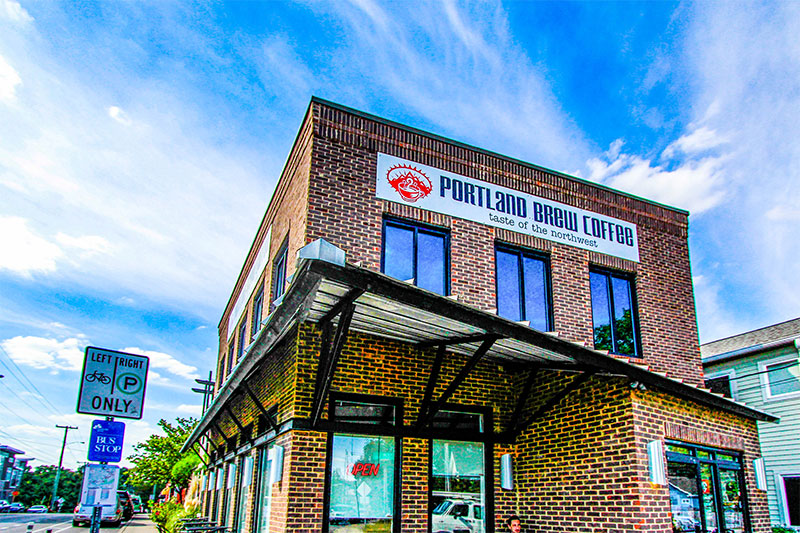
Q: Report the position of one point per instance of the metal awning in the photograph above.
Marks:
(372, 303)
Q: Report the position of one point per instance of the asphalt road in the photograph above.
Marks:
(42, 522)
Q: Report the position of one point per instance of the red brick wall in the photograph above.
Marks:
(343, 210)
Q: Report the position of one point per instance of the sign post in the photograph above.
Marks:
(112, 383)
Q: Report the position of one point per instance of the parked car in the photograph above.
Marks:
(109, 514)
(137, 503)
(16, 507)
(37, 509)
(4, 506)
(127, 504)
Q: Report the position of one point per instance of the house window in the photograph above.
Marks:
(780, 377)
(721, 384)
(279, 274)
(523, 287)
(791, 491)
(706, 490)
(614, 313)
(242, 339)
(417, 254)
(258, 304)
(362, 483)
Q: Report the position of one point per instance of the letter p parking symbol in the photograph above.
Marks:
(129, 383)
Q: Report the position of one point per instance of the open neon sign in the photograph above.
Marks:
(365, 469)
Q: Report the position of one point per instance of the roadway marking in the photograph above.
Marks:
(53, 526)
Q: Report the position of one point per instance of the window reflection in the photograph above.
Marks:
(458, 490)
(362, 484)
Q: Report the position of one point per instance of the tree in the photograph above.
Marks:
(155, 458)
(36, 487)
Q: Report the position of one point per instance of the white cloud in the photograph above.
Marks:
(458, 67)
(46, 353)
(9, 81)
(194, 410)
(14, 12)
(166, 362)
(696, 185)
(699, 140)
(119, 115)
(24, 252)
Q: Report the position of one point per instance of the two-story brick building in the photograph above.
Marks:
(430, 337)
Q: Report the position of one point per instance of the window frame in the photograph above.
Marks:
(763, 368)
(520, 253)
(241, 339)
(257, 312)
(416, 227)
(730, 374)
(783, 499)
(484, 436)
(279, 276)
(630, 278)
(693, 458)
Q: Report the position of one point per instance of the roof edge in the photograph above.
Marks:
(434, 136)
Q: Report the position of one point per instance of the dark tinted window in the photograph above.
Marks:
(416, 254)
(613, 313)
(523, 287)
(721, 385)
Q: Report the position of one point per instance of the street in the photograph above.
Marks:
(55, 522)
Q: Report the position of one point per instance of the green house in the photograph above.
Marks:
(761, 368)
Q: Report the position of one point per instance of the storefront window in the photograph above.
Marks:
(705, 489)
(243, 496)
(264, 502)
(229, 485)
(458, 488)
(362, 481)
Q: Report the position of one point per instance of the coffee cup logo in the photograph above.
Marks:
(409, 182)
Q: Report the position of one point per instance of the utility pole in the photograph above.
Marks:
(60, 460)
(206, 391)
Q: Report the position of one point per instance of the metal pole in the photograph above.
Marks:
(60, 460)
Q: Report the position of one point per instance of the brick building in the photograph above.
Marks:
(430, 337)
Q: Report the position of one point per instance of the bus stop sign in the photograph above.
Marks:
(112, 383)
(105, 444)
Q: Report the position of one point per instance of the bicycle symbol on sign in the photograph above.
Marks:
(98, 376)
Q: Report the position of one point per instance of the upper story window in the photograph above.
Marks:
(258, 304)
(231, 353)
(721, 384)
(614, 313)
(279, 273)
(242, 341)
(780, 377)
(417, 254)
(523, 287)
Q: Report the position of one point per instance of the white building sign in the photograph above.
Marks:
(403, 181)
(112, 383)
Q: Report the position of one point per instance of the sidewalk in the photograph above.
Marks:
(140, 523)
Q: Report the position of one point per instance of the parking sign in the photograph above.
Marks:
(112, 383)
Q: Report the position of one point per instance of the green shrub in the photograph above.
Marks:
(779, 529)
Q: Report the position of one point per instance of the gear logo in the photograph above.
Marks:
(409, 182)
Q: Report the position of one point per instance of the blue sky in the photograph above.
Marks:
(140, 142)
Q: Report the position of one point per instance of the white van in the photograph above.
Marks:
(457, 516)
(109, 515)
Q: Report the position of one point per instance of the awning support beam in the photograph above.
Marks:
(463, 373)
(200, 455)
(526, 390)
(433, 379)
(233, 417)
(466, 339)
(329, 358)
(272, 423)
(554, 400)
